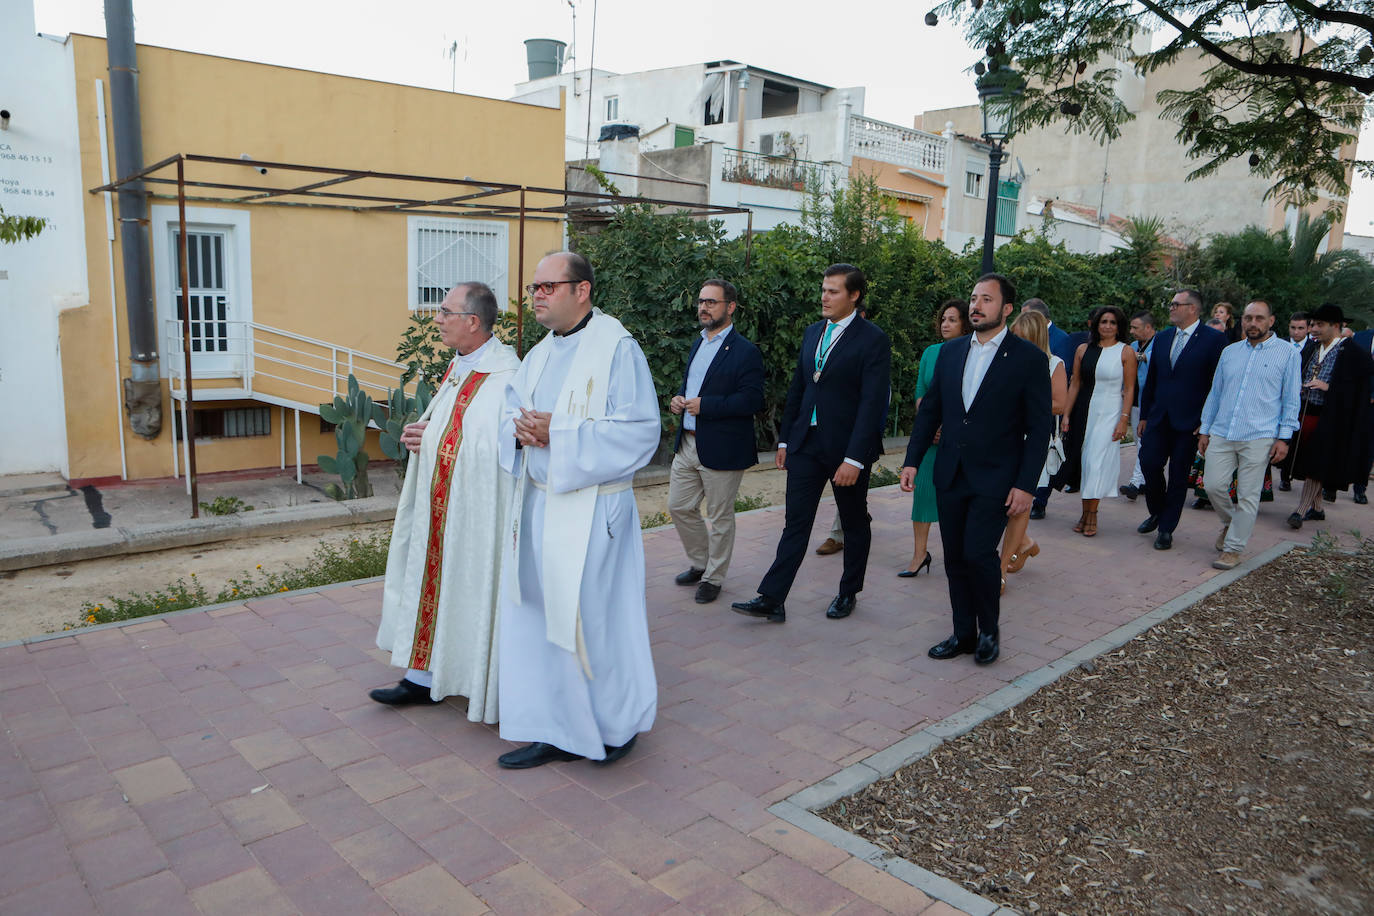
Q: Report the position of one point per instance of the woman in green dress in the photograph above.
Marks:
(951, 322)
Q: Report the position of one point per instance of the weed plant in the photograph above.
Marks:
(355, 559)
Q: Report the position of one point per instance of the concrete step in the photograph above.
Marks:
(44, 484)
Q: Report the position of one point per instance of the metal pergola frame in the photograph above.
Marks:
(476, 199)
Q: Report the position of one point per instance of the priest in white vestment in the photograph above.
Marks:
(443, 570)
(577, 678)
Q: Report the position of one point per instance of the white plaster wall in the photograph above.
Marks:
(39, 176)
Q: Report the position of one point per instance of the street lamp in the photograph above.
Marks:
(999, 93)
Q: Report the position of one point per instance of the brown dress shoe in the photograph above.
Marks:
(829, 546)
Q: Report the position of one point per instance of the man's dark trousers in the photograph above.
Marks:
(971, 523)
(807, 475)
(1162, 443)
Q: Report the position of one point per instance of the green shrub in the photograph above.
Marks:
(358, 558)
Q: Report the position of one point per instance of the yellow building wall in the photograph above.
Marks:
(928, 216)
(336, 275)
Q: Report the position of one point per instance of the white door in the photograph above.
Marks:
(217, 333)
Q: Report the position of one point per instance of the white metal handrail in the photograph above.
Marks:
(296, 367)
(898, 145)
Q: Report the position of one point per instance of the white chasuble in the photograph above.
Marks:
(443, 570)
(576, 671)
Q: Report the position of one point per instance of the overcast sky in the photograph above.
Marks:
(883, 45)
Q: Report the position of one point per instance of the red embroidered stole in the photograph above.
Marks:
(444, 463)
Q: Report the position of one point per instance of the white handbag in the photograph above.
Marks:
(1055, 459)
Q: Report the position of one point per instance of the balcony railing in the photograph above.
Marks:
(745, 167)
(898, 145)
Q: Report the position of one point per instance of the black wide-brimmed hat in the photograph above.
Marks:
(1328, 312)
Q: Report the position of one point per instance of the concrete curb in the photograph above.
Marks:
(797, 809)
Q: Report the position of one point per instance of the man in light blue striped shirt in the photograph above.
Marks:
(1250, 413)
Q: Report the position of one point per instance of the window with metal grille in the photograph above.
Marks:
(442, 253)
(227, 423)
(209, 289)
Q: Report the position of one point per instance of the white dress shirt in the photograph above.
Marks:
(976, 366)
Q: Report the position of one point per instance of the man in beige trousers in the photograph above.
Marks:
(721, 391)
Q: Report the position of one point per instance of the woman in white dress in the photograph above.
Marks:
(1017, 547)
(1100, 393)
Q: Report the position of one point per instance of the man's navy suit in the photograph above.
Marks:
(731, 393)
(849, 402)
(1364, 340)
(1062, 346)
(1171, 408)
(998, 444)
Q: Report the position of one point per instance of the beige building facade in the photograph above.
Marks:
(287, 296)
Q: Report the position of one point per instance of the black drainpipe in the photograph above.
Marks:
(143, 388)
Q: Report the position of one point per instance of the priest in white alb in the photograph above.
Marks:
(577, 679)
(443, 570)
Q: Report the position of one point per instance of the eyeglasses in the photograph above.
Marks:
(547, 287)
(449, 313)
(709, 303)
(1178, 305)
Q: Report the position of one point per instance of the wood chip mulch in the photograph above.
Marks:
(1219, 763)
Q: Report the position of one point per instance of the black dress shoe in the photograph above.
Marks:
(1295, 521)
(1130, 491)
(1150, 524)
(1285, 485)
(950, 648)
(1201, 503)
(1360, 498)
(615, 753)
(403, 693)
(535, 755)
(841, 607)
(689, 577)
(1164, 540)
(706, 593)
(1037, 512)
(1314, 515)
(1070, 488)
(762, 606)
(987, 650)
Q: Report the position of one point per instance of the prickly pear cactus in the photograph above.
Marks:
(350, 416)
(400, 410)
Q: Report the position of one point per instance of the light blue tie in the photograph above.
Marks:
(820, 359)
(1179, 340)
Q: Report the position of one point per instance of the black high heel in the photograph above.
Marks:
(911, 573)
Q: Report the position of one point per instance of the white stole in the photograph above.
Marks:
(568, 515)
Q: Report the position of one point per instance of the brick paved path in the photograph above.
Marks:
(229, 761)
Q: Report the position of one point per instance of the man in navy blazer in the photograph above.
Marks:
(1177, 382)
(721, 390)
(1365, 341)
(990, 401)
(832, 429)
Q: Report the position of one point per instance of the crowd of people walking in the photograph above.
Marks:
(516, 576)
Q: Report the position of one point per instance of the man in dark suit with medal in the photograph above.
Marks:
(831, 431)
(990, 402)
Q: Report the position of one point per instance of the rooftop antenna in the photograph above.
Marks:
(452, 53)
(591, 75)
(572, 56)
